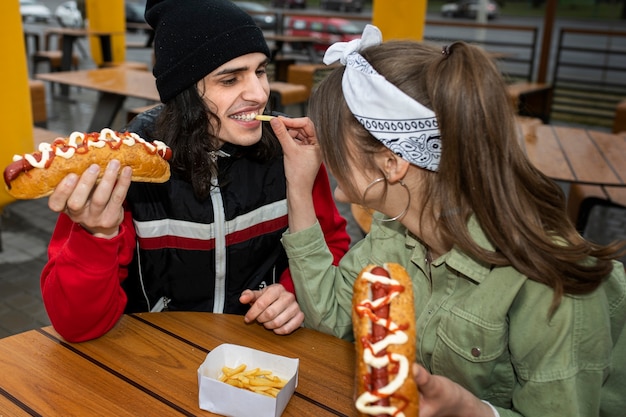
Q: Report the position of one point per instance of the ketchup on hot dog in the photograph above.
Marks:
(78, 143)
(388, 370)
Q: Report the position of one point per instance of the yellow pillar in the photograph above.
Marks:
(16, 120)
(107, 16)
(400, 19)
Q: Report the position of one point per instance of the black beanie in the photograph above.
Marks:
(194, 37)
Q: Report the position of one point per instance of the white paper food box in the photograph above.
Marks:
(221, 398)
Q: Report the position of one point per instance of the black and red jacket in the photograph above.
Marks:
(179, 253)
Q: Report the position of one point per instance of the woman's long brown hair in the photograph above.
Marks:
(483, 170)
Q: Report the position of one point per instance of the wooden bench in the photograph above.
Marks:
(532, 99)
(283, 94)
(308, 74)
(38, 102)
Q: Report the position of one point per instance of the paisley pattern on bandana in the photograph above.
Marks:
(416, 141)
(399, 122)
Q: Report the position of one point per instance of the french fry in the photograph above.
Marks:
(264, 117)
(232, 371)
(255, 380)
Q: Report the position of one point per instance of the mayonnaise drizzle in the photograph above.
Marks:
(106, 135)
(394, 336)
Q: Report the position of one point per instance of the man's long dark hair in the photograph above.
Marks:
(184, 124)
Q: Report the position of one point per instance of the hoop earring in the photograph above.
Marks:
(408, 204)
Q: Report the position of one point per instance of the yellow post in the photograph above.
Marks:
(400, 19)
(107, 16)
(16, 120)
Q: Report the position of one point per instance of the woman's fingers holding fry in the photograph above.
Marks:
(300, 129)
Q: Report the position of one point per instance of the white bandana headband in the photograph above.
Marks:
(402, 124)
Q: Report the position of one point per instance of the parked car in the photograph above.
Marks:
(328, 29)
(342, 5)
(469, 9)
(68, 15)
(34, 11)
(290, 4)
(261, 15)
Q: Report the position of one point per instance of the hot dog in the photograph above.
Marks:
(384, 332)
(37, 174)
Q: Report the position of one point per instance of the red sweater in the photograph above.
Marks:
(80, 284)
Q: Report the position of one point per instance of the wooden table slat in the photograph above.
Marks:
(158, 359)
(584, 156)
(9, 408)
(544, 143)
(614, 150)
(34, 366)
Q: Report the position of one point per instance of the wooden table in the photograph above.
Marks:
(70, 36)
(578, 155)
(114, 84)
(147, 364)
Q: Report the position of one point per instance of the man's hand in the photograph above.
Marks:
(97, 206)
(274, 307)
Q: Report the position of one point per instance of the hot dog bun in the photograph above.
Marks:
(37, 174)
(400, 386)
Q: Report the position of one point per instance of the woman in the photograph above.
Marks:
(209, 238)
(516, 314)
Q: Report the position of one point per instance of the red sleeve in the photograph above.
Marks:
(80, 284)
(332, 223)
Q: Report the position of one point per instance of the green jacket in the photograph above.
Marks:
(484, 327)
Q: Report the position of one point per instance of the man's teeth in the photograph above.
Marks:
(248, 117)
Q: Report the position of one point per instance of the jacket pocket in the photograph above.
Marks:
(473, 351)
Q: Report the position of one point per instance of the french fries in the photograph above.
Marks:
(255, 380)
(264, 117)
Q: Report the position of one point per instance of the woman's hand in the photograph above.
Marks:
(441, 397)
(302, 154)
(98, 207)
(274, 307)
(302, 163)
